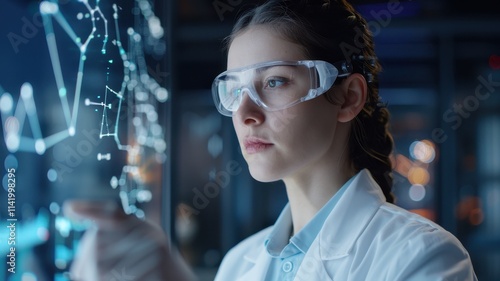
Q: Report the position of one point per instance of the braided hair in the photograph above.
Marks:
(334, 31)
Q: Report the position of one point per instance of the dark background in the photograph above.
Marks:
(435, 55)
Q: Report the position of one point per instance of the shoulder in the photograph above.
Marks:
(242, 256)
(417, 248)
(399, 227)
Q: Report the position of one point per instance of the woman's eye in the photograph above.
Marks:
(275, 82)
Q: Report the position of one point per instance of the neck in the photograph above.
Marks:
(307, 194)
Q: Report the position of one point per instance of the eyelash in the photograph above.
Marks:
(281, 80)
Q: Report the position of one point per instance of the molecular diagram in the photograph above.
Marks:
(138, 89)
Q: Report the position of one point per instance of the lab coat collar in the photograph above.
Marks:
(352, 213)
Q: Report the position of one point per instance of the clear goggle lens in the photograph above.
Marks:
(275, 85)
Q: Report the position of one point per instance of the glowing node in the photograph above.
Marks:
(145, 78)
(136, 121)
(130, 31)
(79, 16)
(155, 27)
(12, 141)
(141, 139)
(87, 102)
(144, 195)
(28, 276)
(48, 8)
(62, 92)
(52, 175)
(71, 131)
(161, 94)
(43, 233)
(160, 145)
(26, 91)
(136, 37)
(63, 225)
(54, 208)
(114, 182)
(121, 182)
(156, 129)
(11, 125)
(40, 146)
(6, 103)
(10, 162)
(141, 96)
(215, 145)
(417, 192)
(60, 263)
(152, 116)
(140, 214)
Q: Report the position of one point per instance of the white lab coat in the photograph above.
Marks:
(363, 238)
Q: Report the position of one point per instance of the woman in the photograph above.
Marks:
(314, 61)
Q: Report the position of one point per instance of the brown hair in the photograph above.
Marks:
(333, 31)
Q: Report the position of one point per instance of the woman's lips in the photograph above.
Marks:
(255, 145)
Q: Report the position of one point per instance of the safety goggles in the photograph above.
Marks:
(276, 85)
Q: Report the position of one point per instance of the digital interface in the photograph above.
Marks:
(83, 116)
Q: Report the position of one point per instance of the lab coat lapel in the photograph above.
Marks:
(353, 212)
(259, 270)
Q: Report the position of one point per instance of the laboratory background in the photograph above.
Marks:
(111, 100)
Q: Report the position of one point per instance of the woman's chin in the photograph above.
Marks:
(262, 174)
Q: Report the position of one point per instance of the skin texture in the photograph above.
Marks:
(307, 143)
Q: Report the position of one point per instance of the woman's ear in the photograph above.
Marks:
(354, 89)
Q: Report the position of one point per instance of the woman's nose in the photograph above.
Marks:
(249, 113)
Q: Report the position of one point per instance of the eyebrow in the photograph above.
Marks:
(266, 68)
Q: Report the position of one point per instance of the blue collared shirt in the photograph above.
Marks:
(288, 253)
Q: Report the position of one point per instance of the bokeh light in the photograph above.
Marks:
(418, 175)
(423, 151)
(417, 192)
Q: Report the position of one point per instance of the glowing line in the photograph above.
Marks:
(56, 138)
(65, 25)
(20, 113)
(29, 105)
(78, 89)
(56, 66)
(26, 144)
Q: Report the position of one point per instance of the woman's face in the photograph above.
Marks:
(287, 143)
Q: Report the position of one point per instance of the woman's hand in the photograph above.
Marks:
(122, 247)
